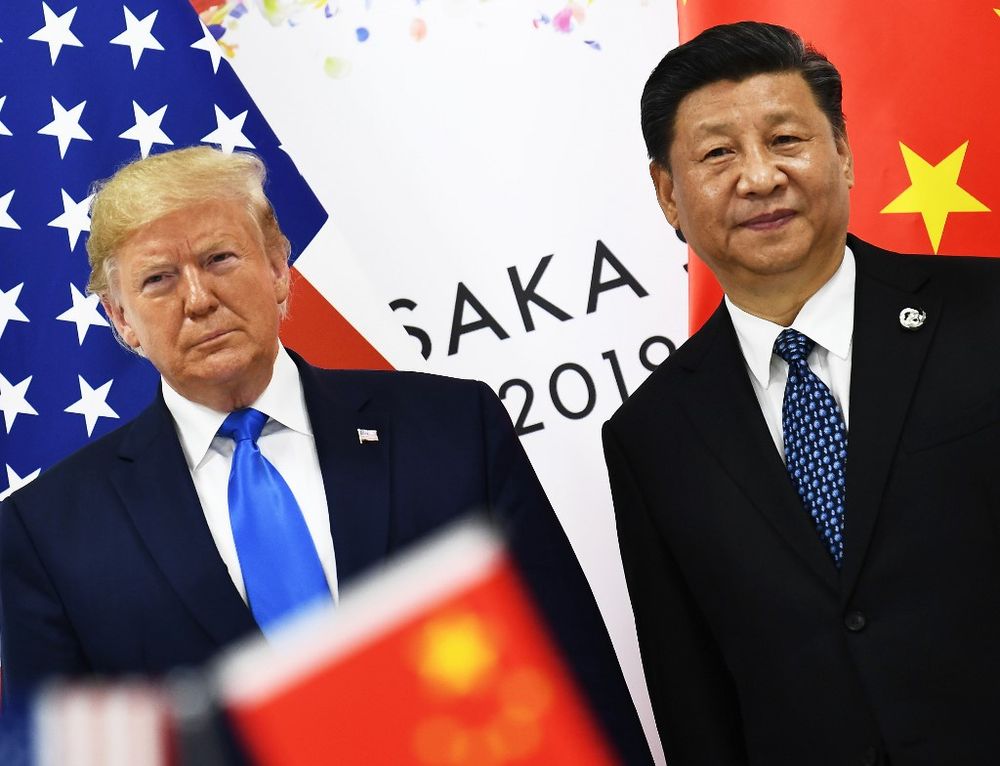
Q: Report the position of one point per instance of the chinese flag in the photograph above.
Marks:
(922, 117)
(440, 661)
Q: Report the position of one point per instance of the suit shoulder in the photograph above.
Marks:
(401, 379)
(656, 391)
(973, 280)
(879, 261)
(89, 463)
(405, 387)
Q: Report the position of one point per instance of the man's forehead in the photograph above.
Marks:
(767, 99)
(766, 90)
(214, 223)
(727, 122)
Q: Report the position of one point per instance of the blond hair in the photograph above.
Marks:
(164, 183)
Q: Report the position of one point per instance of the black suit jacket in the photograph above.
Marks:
(755, 648)
(108, 566)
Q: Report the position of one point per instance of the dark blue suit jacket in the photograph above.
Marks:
(108, 566)
(757, 650)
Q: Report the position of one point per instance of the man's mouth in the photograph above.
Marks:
(767, 221)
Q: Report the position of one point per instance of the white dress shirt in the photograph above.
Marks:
(827, 318)
(287, 441)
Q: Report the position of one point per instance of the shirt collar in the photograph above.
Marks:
(282, 401)
(827, 318)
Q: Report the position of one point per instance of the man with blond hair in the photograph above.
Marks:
(254, 484)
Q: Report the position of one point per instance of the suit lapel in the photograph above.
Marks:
(355, 474)
(155, 485)
(885, 368)
(720, 400)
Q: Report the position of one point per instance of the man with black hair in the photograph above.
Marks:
(805, 493)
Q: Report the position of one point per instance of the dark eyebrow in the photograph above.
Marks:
(218, 243)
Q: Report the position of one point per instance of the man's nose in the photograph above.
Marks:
(199, 298)
(760, 173)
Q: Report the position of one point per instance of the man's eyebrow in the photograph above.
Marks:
(713, 127)
(782, 115)
(217, 242)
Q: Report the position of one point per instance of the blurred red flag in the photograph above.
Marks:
(921, 117)
(443, 660)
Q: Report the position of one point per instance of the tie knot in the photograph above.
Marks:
(792, 345)
(244, 424)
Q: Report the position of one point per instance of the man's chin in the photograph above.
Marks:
(776, 256)
(223, 370)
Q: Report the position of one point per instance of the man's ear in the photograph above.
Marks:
(846, 160)
(282, 275)
(116, 314)
(663, 182)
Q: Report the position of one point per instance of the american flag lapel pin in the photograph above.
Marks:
(367, 435)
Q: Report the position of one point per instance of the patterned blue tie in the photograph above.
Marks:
(281, 569)
(815, 442)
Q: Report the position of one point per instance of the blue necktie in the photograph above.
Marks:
(281, 570)
(815, 442)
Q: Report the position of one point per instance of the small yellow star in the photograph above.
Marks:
(934, 191)
(456, 653)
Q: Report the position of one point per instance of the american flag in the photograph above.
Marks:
(86, 86)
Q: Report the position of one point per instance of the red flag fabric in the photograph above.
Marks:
(921, 119)
(442, 661)
(322, 335)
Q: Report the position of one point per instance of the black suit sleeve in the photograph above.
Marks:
(694, 699)
(36, 638)
(546, 560)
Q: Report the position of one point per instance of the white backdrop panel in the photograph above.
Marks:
(500, 137)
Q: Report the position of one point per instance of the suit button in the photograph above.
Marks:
(870, 758)
(855, 621)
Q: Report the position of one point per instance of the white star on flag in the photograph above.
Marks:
(229, 132)
(6, 222)
(9, 312)
(4, 130)
(92, 404)
(56, 32)
(138, 35)
(13, 401)
(15, 482)
(65, 125)
(210, 45)
(83, 312)
(147, 129)
(75, 217)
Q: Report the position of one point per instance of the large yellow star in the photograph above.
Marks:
(456, 653)
(934, 191)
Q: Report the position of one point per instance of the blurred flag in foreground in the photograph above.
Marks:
(439, 659)
(125, 724)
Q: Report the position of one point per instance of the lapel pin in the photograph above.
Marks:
(912, 319)
(367, 435)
